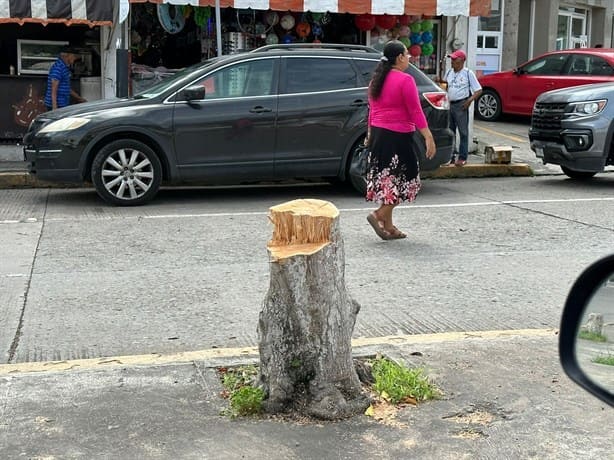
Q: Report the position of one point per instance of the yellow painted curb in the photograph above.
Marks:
(156, 359)
(479, 170)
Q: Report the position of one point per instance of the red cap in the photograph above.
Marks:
(458, 54)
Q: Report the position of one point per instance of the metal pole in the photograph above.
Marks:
(218, 27)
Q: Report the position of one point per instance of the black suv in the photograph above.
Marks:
(279, 112)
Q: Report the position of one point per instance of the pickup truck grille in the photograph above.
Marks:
(547, 117)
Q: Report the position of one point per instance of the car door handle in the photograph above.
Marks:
(260, 109)
(358, 103)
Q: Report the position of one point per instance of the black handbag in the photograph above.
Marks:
(359, 163)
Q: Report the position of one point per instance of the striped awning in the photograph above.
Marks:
(413, 7)
(90, 12)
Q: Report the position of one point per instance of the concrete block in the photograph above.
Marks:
(498, 154)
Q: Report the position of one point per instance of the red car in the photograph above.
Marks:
(515, 91)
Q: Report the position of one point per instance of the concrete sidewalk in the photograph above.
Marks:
(504, 397)
(14, 171)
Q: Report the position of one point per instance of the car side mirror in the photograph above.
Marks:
(586, 336)
(517, 71)
(194, 93)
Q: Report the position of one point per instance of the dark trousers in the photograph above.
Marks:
(459, 119)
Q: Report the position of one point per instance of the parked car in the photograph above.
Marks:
(586, 336)
(279, 112)
(515, 91)
(574, 128)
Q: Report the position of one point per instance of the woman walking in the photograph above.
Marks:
(395, 115)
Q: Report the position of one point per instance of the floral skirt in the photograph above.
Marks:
(393, 172)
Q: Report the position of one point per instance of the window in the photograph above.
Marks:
(252, 78)
(549, 65)
(366, 69)
(571, 29)
(306, 75)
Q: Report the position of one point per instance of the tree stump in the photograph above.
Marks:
(306, 323)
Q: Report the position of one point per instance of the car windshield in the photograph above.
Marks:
(178, 78)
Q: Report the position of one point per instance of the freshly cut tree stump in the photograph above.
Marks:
(306, 323)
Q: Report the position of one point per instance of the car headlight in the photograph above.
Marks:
(588, 108)
(65, 124)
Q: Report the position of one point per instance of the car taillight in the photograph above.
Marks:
(438, 100)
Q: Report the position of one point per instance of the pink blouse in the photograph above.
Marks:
(398, 106)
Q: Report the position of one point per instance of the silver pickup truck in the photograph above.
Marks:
(574, 128)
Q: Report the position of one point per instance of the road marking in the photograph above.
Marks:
(252, 352)
(347, 210)
(497, 133)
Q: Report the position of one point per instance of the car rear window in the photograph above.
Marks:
(306, 75)
(367, 67)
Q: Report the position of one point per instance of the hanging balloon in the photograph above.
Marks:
(416, 39)
(317, 17)
(427, 37)
(365, 22)
(416, 27)
(427, 49)
(171, 18)
(287, 22)
(385, 21)
(272, 39)
(317, 29)
(303, 29)
(405, 41)
(404, 20)
(427, 24)
(415, 50)
(403, 31)
(288, 38)
(271, 18)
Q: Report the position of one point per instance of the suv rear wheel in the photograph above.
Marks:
(126, 173)
(488, 105)
(580, 175)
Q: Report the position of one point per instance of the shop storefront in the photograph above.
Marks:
(165, 36)
(31, 35)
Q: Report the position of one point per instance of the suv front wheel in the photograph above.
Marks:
(126, 173)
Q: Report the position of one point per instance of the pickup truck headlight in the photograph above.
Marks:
(588, 107)
(65, 124)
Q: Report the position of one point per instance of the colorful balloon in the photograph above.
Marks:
(365, 22)
(403, 31)
(427, 49)
(416, 27)
(415, 50)
(427, 24)
(405, 41)
(427, 37)
(416, 39)
(385, 21)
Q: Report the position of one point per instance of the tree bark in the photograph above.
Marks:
(306, 323)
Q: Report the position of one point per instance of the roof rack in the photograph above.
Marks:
(330, 46)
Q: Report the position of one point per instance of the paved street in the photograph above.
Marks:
(112, 320)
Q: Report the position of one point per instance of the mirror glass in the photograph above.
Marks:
(595, 339)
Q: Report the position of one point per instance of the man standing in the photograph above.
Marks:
(59, 92)
(463, 89)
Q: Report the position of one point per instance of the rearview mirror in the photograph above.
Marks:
(194, 93)
(586, 338)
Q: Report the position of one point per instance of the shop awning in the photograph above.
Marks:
(90, 12)
(413, 7)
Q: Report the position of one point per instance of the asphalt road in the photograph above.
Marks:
(79, 279)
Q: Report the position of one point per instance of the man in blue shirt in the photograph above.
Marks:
(463, 89)
(59, 92)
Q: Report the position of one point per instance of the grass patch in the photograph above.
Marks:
(245, 398)
(594, 336)
(607, 360)
(398, 383)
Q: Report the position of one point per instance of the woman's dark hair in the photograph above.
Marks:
(392, 49)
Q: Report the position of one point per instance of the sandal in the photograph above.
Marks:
(379, 230)
(396, 234)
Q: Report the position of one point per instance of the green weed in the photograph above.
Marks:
(398, 382)
(594, 336)
(238, 383)
(607, 360)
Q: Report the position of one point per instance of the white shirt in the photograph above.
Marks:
(461, 84)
